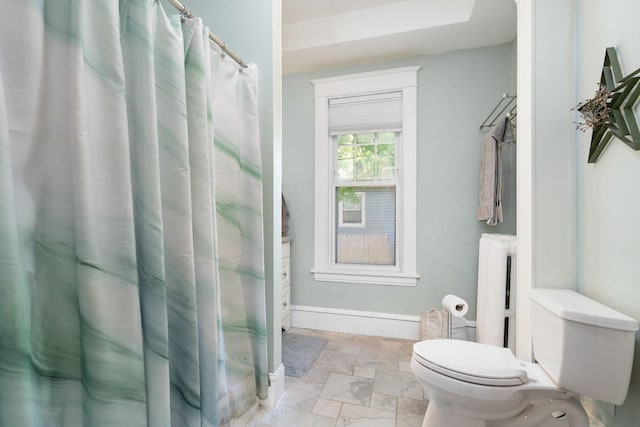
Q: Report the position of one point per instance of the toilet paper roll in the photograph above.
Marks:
(455, 305)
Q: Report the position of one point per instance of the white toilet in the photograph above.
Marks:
(581, 347)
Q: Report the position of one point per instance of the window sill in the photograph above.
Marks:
(386, 278)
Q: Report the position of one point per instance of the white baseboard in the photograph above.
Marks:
(246, 418)
(356, 322)
(590, 407)
(471, 330)
(276, 388)
(274, 394)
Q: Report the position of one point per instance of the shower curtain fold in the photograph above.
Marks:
(131, 251)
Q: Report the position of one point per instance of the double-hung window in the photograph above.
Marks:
(365, 178)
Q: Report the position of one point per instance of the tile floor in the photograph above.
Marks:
(355, 381)
(358, 381)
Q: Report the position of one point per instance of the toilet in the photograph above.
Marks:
(581, 347)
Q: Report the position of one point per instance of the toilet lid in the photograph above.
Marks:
(471, 362)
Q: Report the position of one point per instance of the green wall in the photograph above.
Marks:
(608, 201)
(456, 91)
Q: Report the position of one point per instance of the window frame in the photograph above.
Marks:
(404, 272)
(363, 221)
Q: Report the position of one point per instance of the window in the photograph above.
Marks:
(351, 209)
(365, 165)
(365, 179)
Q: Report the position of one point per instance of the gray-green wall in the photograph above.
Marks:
(456, 91)
(608, 198)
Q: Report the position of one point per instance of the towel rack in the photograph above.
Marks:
(508, 103)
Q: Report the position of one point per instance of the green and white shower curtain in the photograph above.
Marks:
(131, 251)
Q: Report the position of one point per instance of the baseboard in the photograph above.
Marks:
(471, 330)
(246, 418)
(356, 322)
(274, 394)
(590, 407)
(276, 388)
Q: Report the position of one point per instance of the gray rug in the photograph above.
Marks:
(299, 352)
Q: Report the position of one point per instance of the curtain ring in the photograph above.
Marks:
(186, 14)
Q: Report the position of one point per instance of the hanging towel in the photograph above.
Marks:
(490, 196)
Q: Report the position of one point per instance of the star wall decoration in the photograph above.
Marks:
(611, 111)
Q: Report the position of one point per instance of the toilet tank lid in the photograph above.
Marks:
(570, 305)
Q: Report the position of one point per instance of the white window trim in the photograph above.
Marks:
(405, 272)
(363, 221)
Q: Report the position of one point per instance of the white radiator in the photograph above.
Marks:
(496, 310)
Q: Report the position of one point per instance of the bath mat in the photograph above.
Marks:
(299, 352)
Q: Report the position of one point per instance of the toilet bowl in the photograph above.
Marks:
(471, 384)
(476, 385)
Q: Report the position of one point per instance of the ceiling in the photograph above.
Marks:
(321, 34)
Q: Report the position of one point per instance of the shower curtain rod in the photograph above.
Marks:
(188, 14)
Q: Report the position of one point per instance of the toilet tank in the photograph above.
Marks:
(584, 346)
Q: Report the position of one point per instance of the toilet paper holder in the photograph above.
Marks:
(455, 307)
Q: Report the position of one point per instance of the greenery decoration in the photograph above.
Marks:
(611, 111)
(595, 111)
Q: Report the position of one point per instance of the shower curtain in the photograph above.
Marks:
(131, 251)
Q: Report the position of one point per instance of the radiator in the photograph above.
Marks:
(496, 310)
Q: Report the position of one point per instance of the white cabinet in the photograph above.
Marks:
(286, 283)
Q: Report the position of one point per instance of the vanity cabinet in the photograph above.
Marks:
(286, 283)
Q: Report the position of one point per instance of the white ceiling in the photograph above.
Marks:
(321, 34)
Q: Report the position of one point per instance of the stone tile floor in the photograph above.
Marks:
(358, 381)
(355, 381)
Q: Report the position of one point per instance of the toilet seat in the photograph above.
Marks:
(471, 362)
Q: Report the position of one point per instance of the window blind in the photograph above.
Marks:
(366, 113)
